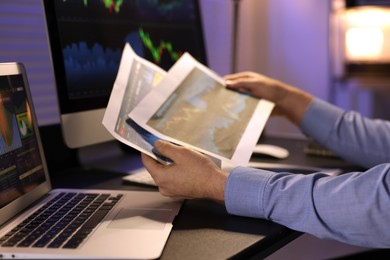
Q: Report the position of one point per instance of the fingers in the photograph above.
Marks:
(240, 86)
(190, 175)
(256, 85)
(242, 79)
(167, 149)
(238, 79)
(151, 165)
(239, 75)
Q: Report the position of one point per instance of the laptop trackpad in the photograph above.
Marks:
(151, 219)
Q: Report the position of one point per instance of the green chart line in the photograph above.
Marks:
(110, 5)
(158, 51)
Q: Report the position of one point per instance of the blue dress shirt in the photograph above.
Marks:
(353, 208)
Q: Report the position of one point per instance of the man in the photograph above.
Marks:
(353, 208)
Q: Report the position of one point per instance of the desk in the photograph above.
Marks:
(203, 229)
(297, 156)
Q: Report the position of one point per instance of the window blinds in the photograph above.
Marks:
(23, 39)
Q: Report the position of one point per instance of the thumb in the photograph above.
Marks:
(166, 149)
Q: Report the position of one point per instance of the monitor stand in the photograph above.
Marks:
(110, 156)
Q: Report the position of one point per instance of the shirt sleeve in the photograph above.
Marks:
(362, 141)
(353, 208)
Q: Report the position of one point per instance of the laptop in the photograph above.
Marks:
(40, 222)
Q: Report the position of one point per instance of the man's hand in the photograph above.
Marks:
(190, 175)
(290, 101)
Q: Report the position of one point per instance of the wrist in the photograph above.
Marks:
(217, 187)
(294, 104)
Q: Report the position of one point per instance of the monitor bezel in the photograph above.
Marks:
(26, 199)
(68, 105)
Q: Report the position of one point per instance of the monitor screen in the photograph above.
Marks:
(21, 167)
(86, 41)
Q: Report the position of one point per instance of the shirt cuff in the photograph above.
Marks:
(244, 191)
(320, 119)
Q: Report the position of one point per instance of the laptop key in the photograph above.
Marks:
(87, 228)
(67, 219)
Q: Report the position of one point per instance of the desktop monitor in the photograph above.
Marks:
(86, 39)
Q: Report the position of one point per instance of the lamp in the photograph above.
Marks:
(364, 44)
(361, 38)
(367, 30)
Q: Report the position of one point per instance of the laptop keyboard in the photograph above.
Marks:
(64, 222)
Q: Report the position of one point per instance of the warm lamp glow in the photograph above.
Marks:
(368, 16)
(364, 44)
(367, 34)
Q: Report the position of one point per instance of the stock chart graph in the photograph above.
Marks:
(111, 5)
(94, 33)
(159, 49)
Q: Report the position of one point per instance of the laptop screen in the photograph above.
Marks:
(21, 167)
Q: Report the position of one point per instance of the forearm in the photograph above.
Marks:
(357, 139)
(294, 103)
(353, 208)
